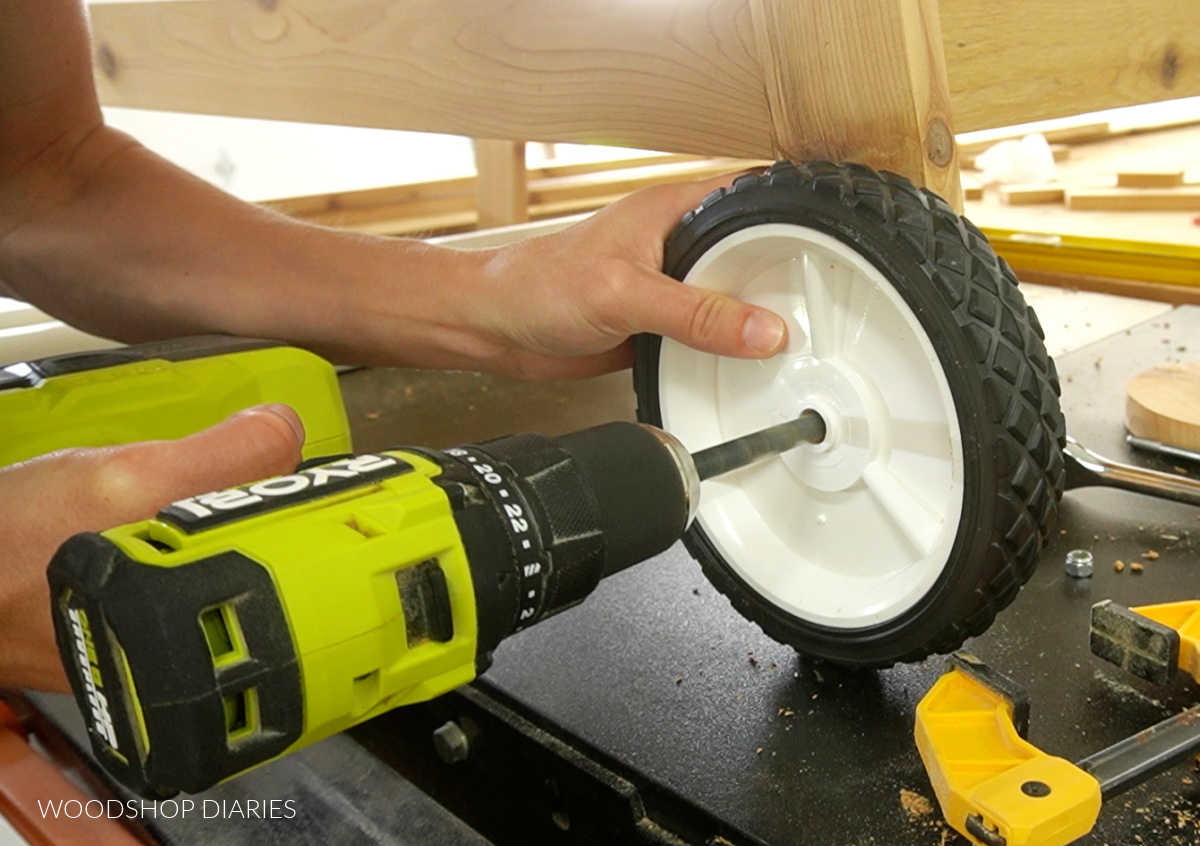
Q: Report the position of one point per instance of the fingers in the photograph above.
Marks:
(678, 199)
(50, 498)
(701, 319)
(133, 482)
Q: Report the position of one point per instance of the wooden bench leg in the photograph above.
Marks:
(860, 80)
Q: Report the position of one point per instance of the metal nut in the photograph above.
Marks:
(451, 743)
(1079, 563)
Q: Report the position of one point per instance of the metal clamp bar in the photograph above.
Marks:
(1131, 761)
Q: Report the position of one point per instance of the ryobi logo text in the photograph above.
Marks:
(197, 513)
(89, 669)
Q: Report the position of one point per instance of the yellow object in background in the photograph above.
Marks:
(163, 391)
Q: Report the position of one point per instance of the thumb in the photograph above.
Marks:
(138, 480)
(704, 320)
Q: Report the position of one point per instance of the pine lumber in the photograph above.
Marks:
(1134, 199)
(1170, 178)
(1163, 404)
(1027, 195)
(708, 77)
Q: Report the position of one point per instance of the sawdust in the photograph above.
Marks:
(1124, 690)
(914, 804)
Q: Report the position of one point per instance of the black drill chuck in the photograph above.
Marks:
(544, 519)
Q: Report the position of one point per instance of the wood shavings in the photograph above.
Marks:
(914, 804)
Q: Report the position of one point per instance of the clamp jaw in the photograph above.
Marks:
(997, 789)
(1152, 641)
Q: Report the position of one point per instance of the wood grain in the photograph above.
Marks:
(676, 75)
(1163, 404)
(663, 75)
(860, 80)
(1027, 60)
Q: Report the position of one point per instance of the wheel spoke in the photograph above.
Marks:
(914, 518)
(922, 437)
(825, 293)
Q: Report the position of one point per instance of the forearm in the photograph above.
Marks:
(124, 244)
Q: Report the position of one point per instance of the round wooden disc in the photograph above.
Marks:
(1163, 404)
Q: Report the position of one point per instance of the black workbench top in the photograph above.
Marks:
(658, 672)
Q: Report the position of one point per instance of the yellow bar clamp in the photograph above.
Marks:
(994, 787)
(1184, 618)
(1153, 642)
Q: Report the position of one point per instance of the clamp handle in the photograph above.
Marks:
(994, 787)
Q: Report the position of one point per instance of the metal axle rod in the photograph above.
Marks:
(717, 460)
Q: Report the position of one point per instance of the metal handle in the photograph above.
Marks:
(1085, 468)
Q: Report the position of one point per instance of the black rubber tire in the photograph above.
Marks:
(990, 345)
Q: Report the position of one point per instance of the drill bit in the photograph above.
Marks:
(717, 460)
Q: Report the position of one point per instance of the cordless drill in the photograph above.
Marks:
(242, 624)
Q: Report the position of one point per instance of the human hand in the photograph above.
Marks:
(46, 500)
(565, 305)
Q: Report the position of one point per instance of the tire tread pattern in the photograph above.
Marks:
(1020, 381)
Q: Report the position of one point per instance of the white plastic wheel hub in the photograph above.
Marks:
(853, 531)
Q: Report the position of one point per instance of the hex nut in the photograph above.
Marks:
(451, 743)
(1079, 563)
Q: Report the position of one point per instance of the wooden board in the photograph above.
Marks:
(501, 192)
(1163, 404)
(451, 205)
(1026, 60)
(676, 75)
(1134, 199)
(662, 75)
(1149, 178)
(1025, 195)
(1059, 137)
